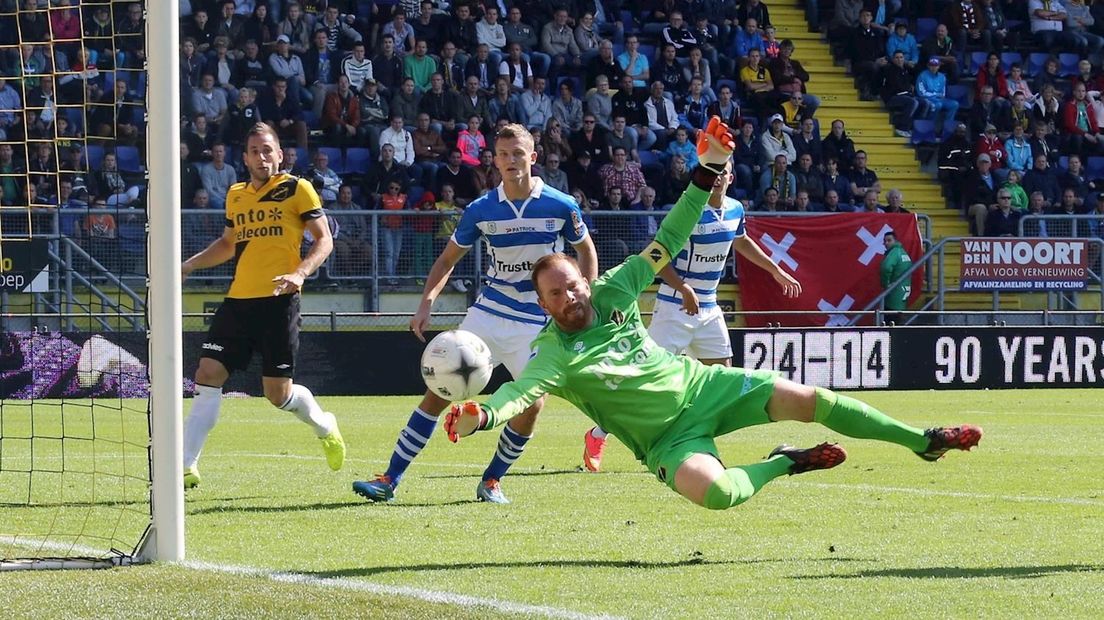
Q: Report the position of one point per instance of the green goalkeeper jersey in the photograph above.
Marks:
(612, 370)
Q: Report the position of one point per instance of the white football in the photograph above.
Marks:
(456, 365)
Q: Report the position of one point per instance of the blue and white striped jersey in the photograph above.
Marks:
(515, 237)
(701, 263)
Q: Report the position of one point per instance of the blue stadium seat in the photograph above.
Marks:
(1067, 64)
(1035, 63)
(960, 93)
(1063, 162)
(617, 49)
(977, 61)
(648, 158)
(311, 119)
(76, 118)
(649, 52)
(302, 161)
(925, 27)
(95, 156)
(730, 83)
(576, 85)
(128, 158)
(923, 131)
(1095, 168)
(337, 162)
(1010, 58)
(357, 160)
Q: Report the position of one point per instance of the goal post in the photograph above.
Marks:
(165, 541)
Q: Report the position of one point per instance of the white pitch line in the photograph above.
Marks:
(429, 596)
(1027, 499)
(337, 583)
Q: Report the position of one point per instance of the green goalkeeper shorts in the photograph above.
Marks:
(729, 399)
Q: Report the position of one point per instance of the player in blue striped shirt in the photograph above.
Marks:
(687, 319)
(520, 221)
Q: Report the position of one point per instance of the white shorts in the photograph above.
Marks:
(703, 336)
(508, 340)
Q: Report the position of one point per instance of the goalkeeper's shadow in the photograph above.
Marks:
(369, 571)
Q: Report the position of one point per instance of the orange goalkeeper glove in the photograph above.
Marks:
(463, 419)
(715, 146)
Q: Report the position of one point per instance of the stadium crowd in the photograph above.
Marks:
(394, 105)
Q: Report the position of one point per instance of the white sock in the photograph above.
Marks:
(598, 433)
(303, 405)
(204, 414)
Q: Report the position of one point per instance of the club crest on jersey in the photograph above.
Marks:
(579, 346)
(550, 225)
(617, 317)
(281, 192)
(492, 228)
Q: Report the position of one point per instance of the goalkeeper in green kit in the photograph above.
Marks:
(667, 409)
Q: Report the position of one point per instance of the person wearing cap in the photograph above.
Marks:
(296, 28)
(942, 46)
(980, 194)
(902, 40)
(931, 86)
(991, 144)
(289, 66)
(775, 141)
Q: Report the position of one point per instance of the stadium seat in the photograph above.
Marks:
(617, 49)
(303, 160)
(1063, 162)
(1010, 58)
(648, 158)
(649, 52)
(311, 119)
(337, 162)
(1035, 63)
(576, 84)
(1095, 168)
(1067, 64)
(76, 118)
(357, 160)
(414, 196)
(923, 131)
(925, 28)
(127, 157)
(961, 94)
(977, 61)
(949, 126)
(95, 156)
(730, 83)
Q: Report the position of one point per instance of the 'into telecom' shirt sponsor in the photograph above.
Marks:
(516, 236)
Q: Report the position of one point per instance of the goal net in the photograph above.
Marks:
(75, 408)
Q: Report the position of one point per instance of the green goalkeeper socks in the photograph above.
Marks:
(738, 484)
(853, 418)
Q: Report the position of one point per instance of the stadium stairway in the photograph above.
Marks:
(892, 157)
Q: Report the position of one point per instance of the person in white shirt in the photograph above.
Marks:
(398, 137)
(490, 32)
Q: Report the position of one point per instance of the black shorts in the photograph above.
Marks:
(241, 327)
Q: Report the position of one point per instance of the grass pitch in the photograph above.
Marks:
(1010, 530)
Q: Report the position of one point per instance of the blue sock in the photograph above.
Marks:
(411, 441)
(510, 446)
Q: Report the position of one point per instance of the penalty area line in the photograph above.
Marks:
(392, 591)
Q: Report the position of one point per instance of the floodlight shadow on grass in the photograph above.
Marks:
(964, 572)
(322, 506)
(368, 571)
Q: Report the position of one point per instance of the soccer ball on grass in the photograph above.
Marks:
(456, 365)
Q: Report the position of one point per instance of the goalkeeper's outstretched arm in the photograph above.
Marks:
(715, 146)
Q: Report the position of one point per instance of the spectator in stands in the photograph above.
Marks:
(863, 179)
(450, 68)
(505, 104)
(620, 136)
(282, 111)
(902, 41)
(870, 203)
(746, 163)
(419, 66)
(192, 63)
(931, 85)
(113, 189)
(592, 139)
(1041, 178)
(807, 141)
(895, 202)
(839, 145)
(387, 67)
(558, 42)
(677, 35)
(352, 247)
(251, 70)
(795, 112)
(1013, 186)
(375, 113)
(995, 23)
(130, 38)
(832, 203)
(553, 175)
(284, 64)
(642, 227)
(966, 23)
(727, 108)
(986, 111)
(230, 24)
(199, 29)
(769, 201)
(42, 169)
(682, 145)
(779, 178)
(633, 63)
(1074, 178)
(515, 70)
(629, 102)
(1017, 114)
(771, 44)
(941, 47)
(12, 177)
(835, 181)
(1018, 150)
(582, 174)
(189, 176)
(216, 175)
(599, 103)
(669, 71)
(991, 75)
(845, 17)
(991, 144)
(1044, 141)
(809, 179)
(291, 163)
(1067, 205)
(536, 106)
(450, 213)
(790, 77)
(441, 105)
(321, 66)
(341, 115)
(868, 52)
(405, 100)
(392, 229)
(429, 150)
(586, 36)
(200, 139)
(552, 141)
(209, 101)
(459, 176)
(485, 174)
(746, 39)
(758, 85)
(895, 85)
(775, 141)
(517, 31)
(470, 141)
(661, 117)
(603, 63)
(482, 67)
(623, 174)
(10, 106)
(401, 32)
(381, 175)
(1048, 25)
(260, 26)
(357, 68)
(1080, 124)
(399, 138)
(568, 109)
(472, 102)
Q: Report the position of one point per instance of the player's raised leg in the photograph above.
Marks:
(289, 396)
